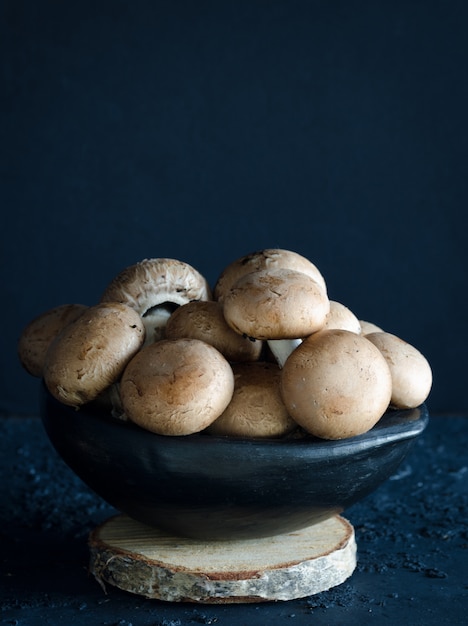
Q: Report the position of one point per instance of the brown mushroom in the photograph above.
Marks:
(37, 336)
(256, 408)
(109, 402)
(90, 354)
(340, 316)
(410, 370)
(154, 288)
(204, 320)
(336, 384)
(369, 327)
(176, 386)
(267, 259)
(276, 305)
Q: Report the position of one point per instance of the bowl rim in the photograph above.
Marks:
(395, 425)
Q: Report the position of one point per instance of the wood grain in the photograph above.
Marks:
(149, 562)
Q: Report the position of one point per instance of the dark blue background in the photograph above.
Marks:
(205, 130)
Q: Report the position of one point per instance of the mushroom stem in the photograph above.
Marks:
(155, 320)
(282, 348)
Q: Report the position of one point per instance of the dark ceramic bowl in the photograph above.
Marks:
(209, 487)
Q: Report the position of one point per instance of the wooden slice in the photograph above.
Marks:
(154, 564)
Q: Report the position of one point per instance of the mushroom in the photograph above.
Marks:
(410, 370)
(109, 401)
(267, 259)
(154, 288)
(204, 320)
(276, 305)
(176, 386)
(369, 327)
(37, 336)
(336, 384)
(256, 408)
(90, 354)
(340, 316)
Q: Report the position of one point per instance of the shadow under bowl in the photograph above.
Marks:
(219, 488)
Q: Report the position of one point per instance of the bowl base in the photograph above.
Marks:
(154, 564)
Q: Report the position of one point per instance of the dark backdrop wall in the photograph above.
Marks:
(206, 130)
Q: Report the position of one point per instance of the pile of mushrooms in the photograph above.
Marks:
(265, 353)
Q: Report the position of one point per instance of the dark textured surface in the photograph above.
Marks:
(412, 537)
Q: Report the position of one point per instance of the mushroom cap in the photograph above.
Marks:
(369, 327)
(204, 320)
(37, 336)
(256, 408)
(176, 386)
(336, 384)
(341, 317)
(410, 370)
(156, 283)
(276, 304)
(91, 353)
(267, 259)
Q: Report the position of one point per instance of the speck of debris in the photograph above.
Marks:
(44, 504)
(202, 618)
